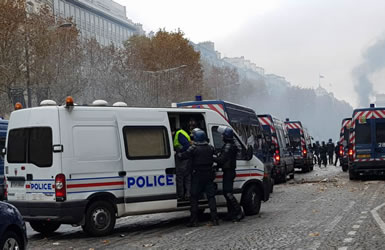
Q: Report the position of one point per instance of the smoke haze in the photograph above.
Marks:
(373, 61)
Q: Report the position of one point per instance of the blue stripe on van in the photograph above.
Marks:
(95, 178)
(104, 190)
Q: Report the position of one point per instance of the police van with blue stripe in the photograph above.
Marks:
(88, 165)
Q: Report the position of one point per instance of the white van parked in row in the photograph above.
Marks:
(88, 165)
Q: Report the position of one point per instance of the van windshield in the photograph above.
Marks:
(30, 145)
(363, 133)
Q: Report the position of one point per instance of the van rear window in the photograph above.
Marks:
(146, 142)
(363, 133)
(380, 132)
(30, 145)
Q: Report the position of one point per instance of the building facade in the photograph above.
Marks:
(104, 20)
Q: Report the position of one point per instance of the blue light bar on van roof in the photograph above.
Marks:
(198, 98)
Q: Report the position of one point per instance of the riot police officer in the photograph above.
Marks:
(323, 152)
(227, 160)
(203, 175)
(330, 148)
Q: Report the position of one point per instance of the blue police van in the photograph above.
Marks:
(3, 135)
(367, 142)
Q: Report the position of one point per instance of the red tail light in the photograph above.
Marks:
(350, 153)
(277, 157)
(304, 152)
(341, 150)
(60, 187)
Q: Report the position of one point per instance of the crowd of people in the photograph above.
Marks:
(324, 153)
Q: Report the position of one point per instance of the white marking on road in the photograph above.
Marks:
(348, 240)
(352, 233)
(359, 221)
(377, 217)
(364, 212)
(356, 226)
(332, 224)
(363, 217)
(315, 245)
(348, 207)
(343, 248)
(192, 231)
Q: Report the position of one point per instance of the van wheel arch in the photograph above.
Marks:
(102, 197)
(258, 184)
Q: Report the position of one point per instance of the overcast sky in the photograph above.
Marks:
(297, 39)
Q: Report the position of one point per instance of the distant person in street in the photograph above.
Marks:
(323, 153)
(227, 160)
(315, 150)
(337, 153)
(183, 168)
(330, 149)
(203, 175)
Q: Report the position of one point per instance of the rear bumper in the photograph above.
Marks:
(68, 212)
(299, 163)
(368, 168)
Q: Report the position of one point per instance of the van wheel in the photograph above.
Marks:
(45, 227)
(251, 200)
(11, 240)
(284, 175)
(291, 175)
(344, 168)
(352, 176)
(100, 219)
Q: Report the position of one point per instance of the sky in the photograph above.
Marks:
(297, 39)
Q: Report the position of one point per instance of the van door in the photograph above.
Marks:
(147, 156)
(363, 140)
(379, 145)
(243, 165)
(33, 155)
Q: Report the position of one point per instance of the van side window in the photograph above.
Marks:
(218, 143)
(30, 145)
(146, 142)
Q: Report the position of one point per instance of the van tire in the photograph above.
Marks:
(11, 237)
(251, 200)
(45, 227)
(105, 213)
(344, 168)
(291, 176)
(352, 176)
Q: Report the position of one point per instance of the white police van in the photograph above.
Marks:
(88, 165)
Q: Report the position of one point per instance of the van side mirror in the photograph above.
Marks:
(3, 152)
(249, 152)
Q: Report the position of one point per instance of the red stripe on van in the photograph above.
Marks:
(83, 185)
(242, 175)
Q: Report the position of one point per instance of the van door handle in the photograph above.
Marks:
(122, 173)
(170, 171)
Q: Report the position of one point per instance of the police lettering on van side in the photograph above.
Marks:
(41, 186)
(150, 181)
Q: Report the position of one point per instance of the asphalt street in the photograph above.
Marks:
(317, 210)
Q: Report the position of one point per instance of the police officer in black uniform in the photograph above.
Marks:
(227, 160)
(330, 147)
(323, 152)
(203, 175)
